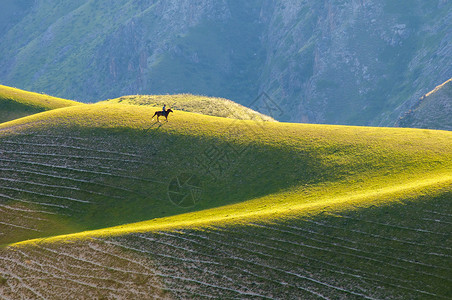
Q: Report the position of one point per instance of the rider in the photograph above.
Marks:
(164, 108)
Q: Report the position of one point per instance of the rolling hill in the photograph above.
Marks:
(101, 201)
(16, 103)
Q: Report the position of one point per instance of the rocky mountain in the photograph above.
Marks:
(361, 62)
(432, 111)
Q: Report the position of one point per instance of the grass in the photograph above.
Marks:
(16, 103)
(261, 171)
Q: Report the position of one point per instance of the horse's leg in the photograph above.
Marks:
(153, 117)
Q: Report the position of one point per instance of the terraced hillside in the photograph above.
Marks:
(16, 103)
(228, 208)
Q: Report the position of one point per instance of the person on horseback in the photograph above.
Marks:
(162, 113)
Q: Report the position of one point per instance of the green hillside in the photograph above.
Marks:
(15, 103)
(203, 206)
(210, 106)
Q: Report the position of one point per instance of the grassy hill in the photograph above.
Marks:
(210, 106)
(16, 103)
(204, 206)
(433, 110)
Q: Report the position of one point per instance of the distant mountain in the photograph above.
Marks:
(433, 111)
(352, 62)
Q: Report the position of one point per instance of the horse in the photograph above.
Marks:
(162, 113)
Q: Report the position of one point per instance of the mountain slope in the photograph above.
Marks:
(357, 63)
(15, 103)
(433, 110)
